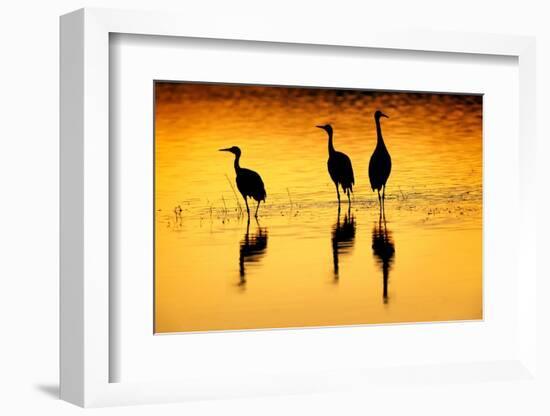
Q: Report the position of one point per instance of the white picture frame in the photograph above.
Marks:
(85, 221)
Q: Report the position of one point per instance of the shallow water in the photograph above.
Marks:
(302, 263)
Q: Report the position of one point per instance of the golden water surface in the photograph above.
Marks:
(303, 264)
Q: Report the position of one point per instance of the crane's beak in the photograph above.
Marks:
(383, 115)
(321, 127)
(225, 150)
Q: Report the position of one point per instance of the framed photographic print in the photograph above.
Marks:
(312, 238)
(280, 213)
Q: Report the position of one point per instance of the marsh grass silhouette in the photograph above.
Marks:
(251, 249)
(343, 239)
(383, 249)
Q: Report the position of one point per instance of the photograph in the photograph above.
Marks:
(295, 207)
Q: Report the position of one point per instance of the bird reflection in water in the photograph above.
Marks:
(383, 249)
(252, 249)
(343, 238)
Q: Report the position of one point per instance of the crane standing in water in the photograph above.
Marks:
(249, 183)
(380, 163)
(339, 167)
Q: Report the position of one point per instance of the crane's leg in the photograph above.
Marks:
(247, 209)
(257, 207)
(379, 200)
(384, 201)
(338, 194)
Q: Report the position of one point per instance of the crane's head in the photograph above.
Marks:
(235, 150)
(326, 127)
(379, 114)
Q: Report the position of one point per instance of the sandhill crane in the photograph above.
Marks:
(339, 167)
(249, 183)
(380, 163)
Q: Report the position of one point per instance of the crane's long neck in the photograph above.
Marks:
(379, 138)
(236, 163)
(330, 145)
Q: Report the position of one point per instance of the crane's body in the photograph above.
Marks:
(380, 163)
(341, 171)
(249, 183)
(339, 167)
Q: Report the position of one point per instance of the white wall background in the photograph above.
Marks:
(29, 187)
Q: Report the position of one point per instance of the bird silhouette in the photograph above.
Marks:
(251, 249)
(383, 248)
(343, 237)
(380, 163)
(339, 167)
(249, 183)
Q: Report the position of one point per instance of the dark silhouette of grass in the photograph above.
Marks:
(239, 206)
